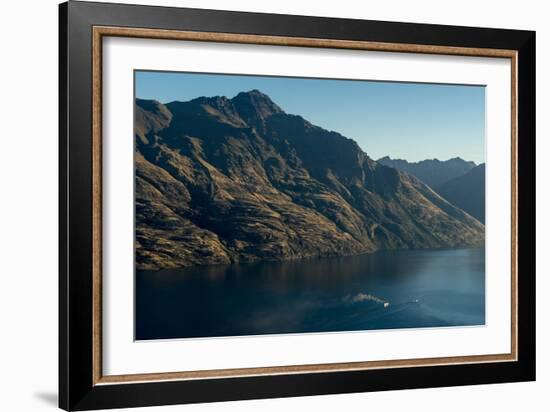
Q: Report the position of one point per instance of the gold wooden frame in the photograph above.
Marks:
(102, 31)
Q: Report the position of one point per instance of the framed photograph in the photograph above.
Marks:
(257, 205)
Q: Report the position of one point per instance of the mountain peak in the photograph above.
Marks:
(255, 107)
(254, 93)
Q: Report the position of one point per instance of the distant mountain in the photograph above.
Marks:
(433, 172)
(467, 192)
(223, 180)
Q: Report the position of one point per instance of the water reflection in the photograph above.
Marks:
(384, 290)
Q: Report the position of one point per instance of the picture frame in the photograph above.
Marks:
(82, 28)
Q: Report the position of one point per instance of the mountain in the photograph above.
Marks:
(467, 192)
(223, 180)
(433, 172)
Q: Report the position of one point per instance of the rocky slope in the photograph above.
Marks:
(433, 172)
(223, 180)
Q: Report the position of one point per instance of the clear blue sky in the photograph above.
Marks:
(403, 120)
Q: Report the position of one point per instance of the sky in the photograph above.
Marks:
(411, 121)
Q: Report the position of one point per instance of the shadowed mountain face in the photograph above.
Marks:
(467, 192)
(223, 180)
(433, 172)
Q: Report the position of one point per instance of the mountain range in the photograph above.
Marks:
(222, 180)
(459, 181)
(433, 172)
(467, 192)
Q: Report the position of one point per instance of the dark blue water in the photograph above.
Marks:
(383, 290)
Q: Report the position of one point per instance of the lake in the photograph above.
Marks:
(382, 290)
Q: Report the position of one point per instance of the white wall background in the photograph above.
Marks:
(28, 204)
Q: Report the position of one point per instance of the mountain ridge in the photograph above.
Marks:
(467, 192)
(433, 172)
